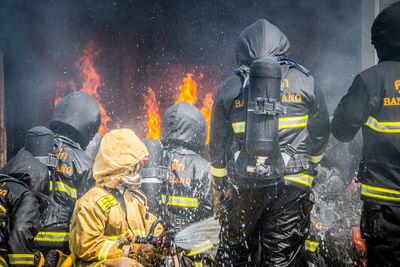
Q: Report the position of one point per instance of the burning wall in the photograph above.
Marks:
(171, 83)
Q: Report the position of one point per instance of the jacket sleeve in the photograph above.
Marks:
(220, 131)
(206, 200)
(318, 126)
(24, 222)
(86, 183)
(87, 238)
(351, 112)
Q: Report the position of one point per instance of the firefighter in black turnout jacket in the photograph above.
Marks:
(271, 207)
(19, 219)
(188, 195)
(24, 181)
(76, 119)
(372, 103)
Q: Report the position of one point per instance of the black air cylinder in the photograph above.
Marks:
(261, 117)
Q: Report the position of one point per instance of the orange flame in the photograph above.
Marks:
(188, 90)
(153, 123)
(91, 80)
(62, 86)
(206, 110)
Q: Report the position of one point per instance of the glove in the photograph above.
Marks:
(164, 240)
(53, 258)
(220, 183)
(143, 253)
(38, 258)
(220, 186)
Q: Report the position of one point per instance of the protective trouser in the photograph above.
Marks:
(265, 226)
(380, 227)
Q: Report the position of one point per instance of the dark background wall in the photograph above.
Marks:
(42, 39)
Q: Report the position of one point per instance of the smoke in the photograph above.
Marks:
(42, 39)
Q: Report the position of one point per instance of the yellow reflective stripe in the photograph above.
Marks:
(3, 209)
(384, 127)
(3, 262)
(293, 122)
(378, 192)
(218, 172)
(139, 233)
(239, 127)
(300, 178)
(284, 122)
(27, 259)
(52, 236)
(105, 249)
(62, 187)
(316, 159)
(311, 246)
(198, 264)
(180, 201)
(31, 262)
(12, 256)
(199, 248)
(121, 236)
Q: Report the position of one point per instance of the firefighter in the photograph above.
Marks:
(25, 167)
(112, 213)
(372, 104)
(24, 181)
(19, 219)
(75, 120)
(270, 210)
(188, 195)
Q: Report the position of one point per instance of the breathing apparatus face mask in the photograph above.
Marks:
(133, 177)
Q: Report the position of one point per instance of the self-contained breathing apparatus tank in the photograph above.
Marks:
(262, 116)
(40, 142)
(154, 175)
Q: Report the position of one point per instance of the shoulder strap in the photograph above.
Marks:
(244, 72)
(293, 64)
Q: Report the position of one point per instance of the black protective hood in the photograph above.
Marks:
(77, 116)
(154, 147)
(184, 125)
(29, 170)
(261, 39)
(93, 147)
(385, 33)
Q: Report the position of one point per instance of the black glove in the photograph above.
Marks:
(220, 183)
(165, 240)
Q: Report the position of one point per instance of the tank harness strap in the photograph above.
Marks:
(291, 150)
(295, 65)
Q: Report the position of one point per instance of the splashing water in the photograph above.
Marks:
(203, 234)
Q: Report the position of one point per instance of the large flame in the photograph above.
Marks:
(206, 110)
(62, 89)
(91, 80)
(153, 122)
(188, 90)
(90, 83)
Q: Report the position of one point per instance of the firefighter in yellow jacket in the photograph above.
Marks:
(108, 217)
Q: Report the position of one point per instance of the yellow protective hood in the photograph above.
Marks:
(119, 150)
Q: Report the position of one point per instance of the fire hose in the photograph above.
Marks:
(164, 240)
(206, 231)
